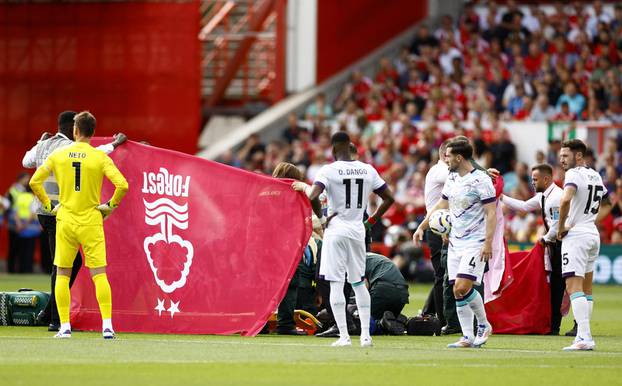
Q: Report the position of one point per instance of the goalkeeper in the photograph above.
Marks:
(79, 170)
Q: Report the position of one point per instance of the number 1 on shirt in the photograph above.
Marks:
(76, 166)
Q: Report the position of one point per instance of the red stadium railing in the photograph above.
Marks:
(243, 50)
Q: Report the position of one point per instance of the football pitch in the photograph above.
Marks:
(29, 356)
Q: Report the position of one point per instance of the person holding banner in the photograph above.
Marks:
(300, 290)
(34, 158)
(547, 201)
(79, 170)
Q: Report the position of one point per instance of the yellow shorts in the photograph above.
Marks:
(69, 237)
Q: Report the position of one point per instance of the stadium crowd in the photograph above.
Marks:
(492, 65)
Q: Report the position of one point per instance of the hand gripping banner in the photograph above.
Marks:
(196, 247)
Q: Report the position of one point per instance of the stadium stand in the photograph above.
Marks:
(490, 66)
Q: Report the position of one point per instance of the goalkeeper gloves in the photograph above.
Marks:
(48, 208)
(106, 209)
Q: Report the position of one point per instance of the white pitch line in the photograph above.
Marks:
(332, 363)
(318, 345)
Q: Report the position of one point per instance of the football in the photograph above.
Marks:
(440, 222)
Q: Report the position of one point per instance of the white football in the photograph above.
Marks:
(440, 222)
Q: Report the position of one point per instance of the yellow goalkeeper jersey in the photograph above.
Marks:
(79, 169)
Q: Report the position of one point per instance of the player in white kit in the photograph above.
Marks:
(348, 184)
(470, 197)
(583, 203)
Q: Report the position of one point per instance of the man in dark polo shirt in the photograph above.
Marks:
(388, 292)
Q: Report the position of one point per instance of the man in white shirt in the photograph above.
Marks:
(34, 158)
(470, 197)
(583, 203)
(434, 182)
(546, 202)
(348, 184)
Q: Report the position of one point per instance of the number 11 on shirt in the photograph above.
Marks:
(359, 201)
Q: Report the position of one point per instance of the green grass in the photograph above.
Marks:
(28, 356)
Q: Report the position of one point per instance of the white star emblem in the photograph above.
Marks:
(160, 307)
(173, 308)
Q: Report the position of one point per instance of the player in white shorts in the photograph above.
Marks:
(348, 184)
(584, 202)
(470, 197)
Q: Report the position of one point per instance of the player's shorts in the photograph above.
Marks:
(341, 256)
(579, 252)
(69, 237)
(464, 262)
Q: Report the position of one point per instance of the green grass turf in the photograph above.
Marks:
(29, 356)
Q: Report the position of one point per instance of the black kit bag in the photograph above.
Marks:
(424, 325)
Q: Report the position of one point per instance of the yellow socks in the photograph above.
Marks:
(104, 295)
(63, 297)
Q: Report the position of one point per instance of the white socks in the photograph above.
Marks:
(477, 305)
(581, 311)
(467, 306)
(590, 303)
(363, 304)
(338, 305)
(65, 327)
(465, 316)
(107, 324)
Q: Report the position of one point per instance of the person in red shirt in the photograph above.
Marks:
(533, 61)
(386, 71)
(361, 86)
(565, 115)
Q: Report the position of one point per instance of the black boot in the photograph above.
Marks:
(332, 332)
(573, 330)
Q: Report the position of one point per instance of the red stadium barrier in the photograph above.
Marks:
(134, 65)
(196, 247)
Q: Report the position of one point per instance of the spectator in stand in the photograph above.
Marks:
(447, 30)
(293, 129)
(568, 62)
(447, 54)
(574, 100)
(533, 61)
(423, 38)
(10, 204)
(597, 16)
(252, 153)
(565, 115)
(542, 111)
(516, 102)
(320, 110)
(510, 91)
(503, 153)
(27, 228)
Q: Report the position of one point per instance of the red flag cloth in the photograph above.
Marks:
(525, 306)
(499, 275)
(196, 247)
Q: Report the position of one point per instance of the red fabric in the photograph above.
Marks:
(245, 234)
(499, 275)
(136, 65)
(524, 307)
